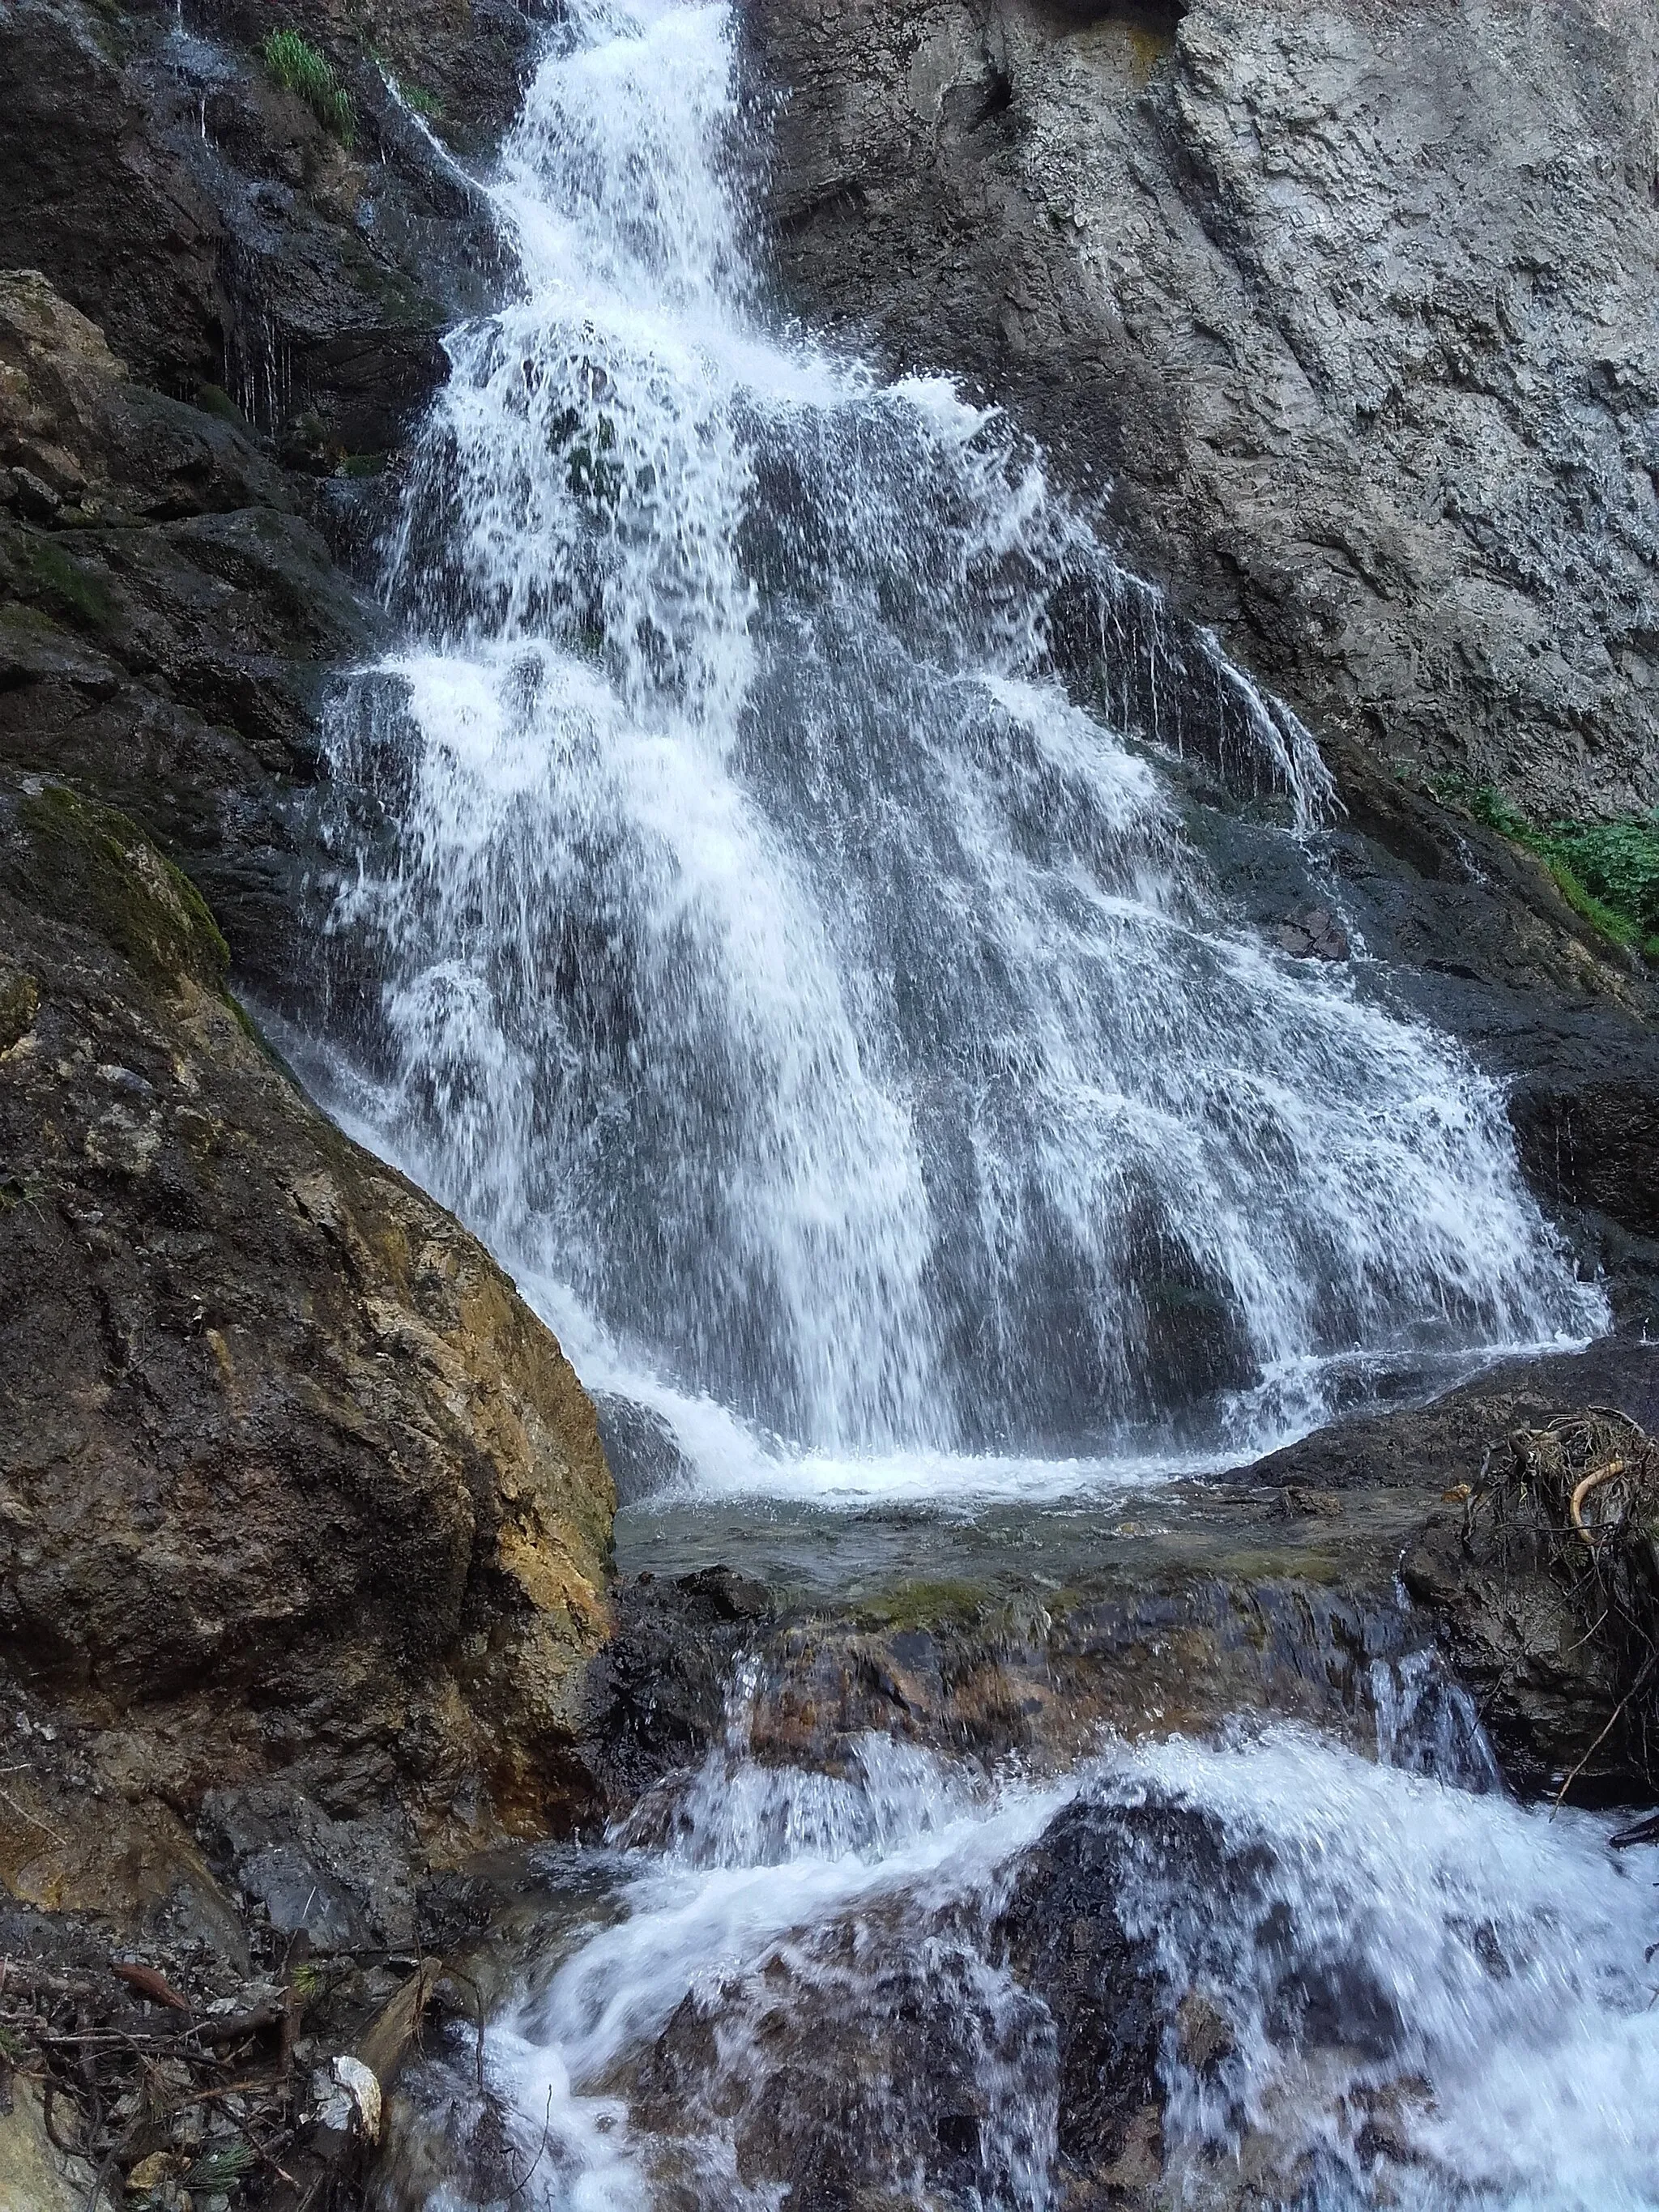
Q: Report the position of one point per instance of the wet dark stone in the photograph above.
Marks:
(643, 1452)
(875, 2063)
(656, 1693)
(1066, 1941)
(1313, 935)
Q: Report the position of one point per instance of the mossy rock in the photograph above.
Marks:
(90, 865)
(921, 1603)
(67, 586)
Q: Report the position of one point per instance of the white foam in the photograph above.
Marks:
(1479, 1963)
(817, 1010)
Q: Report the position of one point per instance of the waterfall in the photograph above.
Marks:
(789, 963)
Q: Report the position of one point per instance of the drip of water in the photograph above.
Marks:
(811, 997)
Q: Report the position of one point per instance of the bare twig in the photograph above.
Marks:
(541, 2147)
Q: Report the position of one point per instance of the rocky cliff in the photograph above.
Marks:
(1344, 313)
(304, 1520)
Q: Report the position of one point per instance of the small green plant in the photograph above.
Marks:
(423, 102)
(1489, 804)
(221, 2168)
(1617, 863)
(299, 68)
(1607, 872)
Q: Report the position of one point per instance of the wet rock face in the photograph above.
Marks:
(1348, 303)
(289, 1477)
(169, 612)
(220, 233)
(872, 2062)
(1083, 2014)
(233, 318)
(1545, 1585)
(1534, 1620)
(1064, 1937)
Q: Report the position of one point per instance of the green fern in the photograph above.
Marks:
(299, 68)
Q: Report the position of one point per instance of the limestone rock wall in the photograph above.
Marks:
(1346, 310)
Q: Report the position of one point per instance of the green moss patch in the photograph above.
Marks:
(927, 1605)
(214, 400)
(67, 586)
(20, 1002)
(89, 865)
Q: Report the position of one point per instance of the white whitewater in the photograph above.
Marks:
(813, 1004)
(1431, 1998)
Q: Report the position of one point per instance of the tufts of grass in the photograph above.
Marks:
(298, 67)
(222, 2168)
(1607, 872)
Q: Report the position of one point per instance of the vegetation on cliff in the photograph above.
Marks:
(1608, 872)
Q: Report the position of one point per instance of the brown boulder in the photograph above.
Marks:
(290, 1479)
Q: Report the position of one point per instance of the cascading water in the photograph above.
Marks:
(1356, 1987)
(814, 1003)
(814, 1000)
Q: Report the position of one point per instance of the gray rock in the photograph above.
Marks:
(1350, 304)
(343, 1883)
(644, 1453)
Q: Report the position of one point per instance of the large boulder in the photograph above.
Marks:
(292, 1484)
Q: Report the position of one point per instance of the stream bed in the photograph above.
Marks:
(979, 1902)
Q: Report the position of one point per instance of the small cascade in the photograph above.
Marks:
(1290, 1976)
(790, 957)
